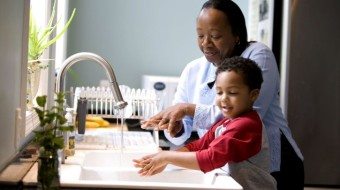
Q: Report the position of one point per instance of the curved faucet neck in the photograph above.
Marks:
(97, 59)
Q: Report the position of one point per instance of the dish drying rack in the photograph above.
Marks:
(142, 103)
(99, 101)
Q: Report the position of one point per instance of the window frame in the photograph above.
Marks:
(30, 120)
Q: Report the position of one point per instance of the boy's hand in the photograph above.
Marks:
(151, 164)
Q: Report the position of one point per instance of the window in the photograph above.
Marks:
(40, 12)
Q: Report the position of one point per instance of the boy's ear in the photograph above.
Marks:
(254, 94)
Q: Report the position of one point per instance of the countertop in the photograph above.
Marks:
(24, 165)
(23, 174)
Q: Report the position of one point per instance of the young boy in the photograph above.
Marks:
(238, 140)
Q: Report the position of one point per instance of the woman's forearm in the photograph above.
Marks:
(189, 109)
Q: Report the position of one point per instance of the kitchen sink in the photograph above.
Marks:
(169, 175)
(117, 166)
(111, 159)
(115, 169)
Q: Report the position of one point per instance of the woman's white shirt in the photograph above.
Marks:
(196, 86)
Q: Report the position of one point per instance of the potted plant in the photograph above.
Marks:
(39, 40)
(49, 140)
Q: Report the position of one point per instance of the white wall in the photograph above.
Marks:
(11, 59)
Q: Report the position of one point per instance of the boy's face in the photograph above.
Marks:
(233, 96)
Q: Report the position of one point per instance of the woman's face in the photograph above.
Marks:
(214, 35)
(233, 96)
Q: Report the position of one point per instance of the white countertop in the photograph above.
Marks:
(104, 167)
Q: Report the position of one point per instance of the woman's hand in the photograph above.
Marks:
(170, 118)
(151, 164)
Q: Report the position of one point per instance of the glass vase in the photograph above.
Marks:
(33, 81)
(48, 170)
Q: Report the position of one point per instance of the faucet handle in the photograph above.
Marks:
(81, 115)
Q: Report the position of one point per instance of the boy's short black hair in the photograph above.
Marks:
(250, 71)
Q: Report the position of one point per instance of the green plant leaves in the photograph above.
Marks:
(53, 40)
(52, 122)
(39, 39)
(41, 101)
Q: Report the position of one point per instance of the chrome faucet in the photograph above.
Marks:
(120, 103)
(102, 62)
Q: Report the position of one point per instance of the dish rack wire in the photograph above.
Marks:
(142, 103)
